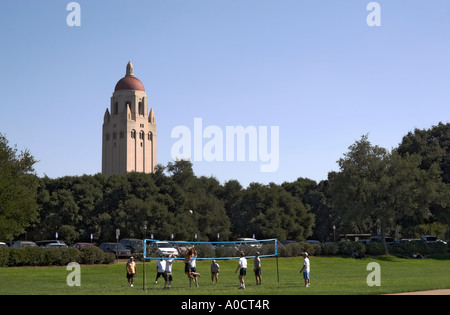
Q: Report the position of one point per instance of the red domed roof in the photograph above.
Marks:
(129, 83)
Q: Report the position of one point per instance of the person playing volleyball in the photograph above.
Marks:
(188, 253)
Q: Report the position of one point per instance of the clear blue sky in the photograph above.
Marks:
(314, 68)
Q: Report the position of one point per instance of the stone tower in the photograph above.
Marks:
(129, 129)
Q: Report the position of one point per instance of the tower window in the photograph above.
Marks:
(133, 134)
(116, 108)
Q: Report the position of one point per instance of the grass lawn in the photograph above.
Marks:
(329, 275)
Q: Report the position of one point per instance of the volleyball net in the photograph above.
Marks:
(156, 249)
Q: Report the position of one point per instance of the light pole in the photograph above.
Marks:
(117, 243)
(143, 251)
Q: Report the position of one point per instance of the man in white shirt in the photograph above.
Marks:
(160, 269)
(242, 266)
(305, 269)
(168, 272)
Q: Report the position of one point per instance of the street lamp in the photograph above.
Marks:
(117, 243)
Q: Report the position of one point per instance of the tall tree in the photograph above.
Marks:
(433, 145)
(18, 189)
(379, 187)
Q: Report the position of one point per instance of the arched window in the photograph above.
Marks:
(133, 134)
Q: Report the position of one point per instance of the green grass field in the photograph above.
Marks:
(329, 275)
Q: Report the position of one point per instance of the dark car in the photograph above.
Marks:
(117, 249)
(379, 239)
(80, 246)
(133, 244)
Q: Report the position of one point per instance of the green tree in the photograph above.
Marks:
(433, 146)
(378, 187)
(18, 190)
(316, 197)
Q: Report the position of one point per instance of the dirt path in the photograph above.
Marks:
(431, 292)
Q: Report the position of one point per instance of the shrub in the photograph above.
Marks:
(293, 250)
(69, 255)
(226, 251)
(438, 248)
(16, 257)
(330, 249)
(407, 249)
(306, 247)
(204, 251)
(318, 249)
(374, 249)
(4, 256)
(32, 256)
(109, 258)
(269, 249)
(40, 256)
(51, 257)
(92, 255)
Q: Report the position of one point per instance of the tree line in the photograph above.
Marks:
(406, 189)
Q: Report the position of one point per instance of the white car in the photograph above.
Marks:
(56, 245)
(432, 239)
(3, 244)
(252, 242)
(164, 248)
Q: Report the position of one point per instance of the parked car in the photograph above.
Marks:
(133, 244)
(312, 242)
(164, 248)
(252, 242)
(432, 239)
(115, 248)
(3, 244)
(181, 244)
(378, 239)
(288, 242)
(23, 244)
(46, 242)
(55, 245)
(80, 246)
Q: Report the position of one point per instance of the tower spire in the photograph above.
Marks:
(130, 69)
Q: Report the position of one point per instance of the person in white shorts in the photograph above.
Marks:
(305, 269)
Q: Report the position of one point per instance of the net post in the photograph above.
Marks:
(144, 282)
(276, 251)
